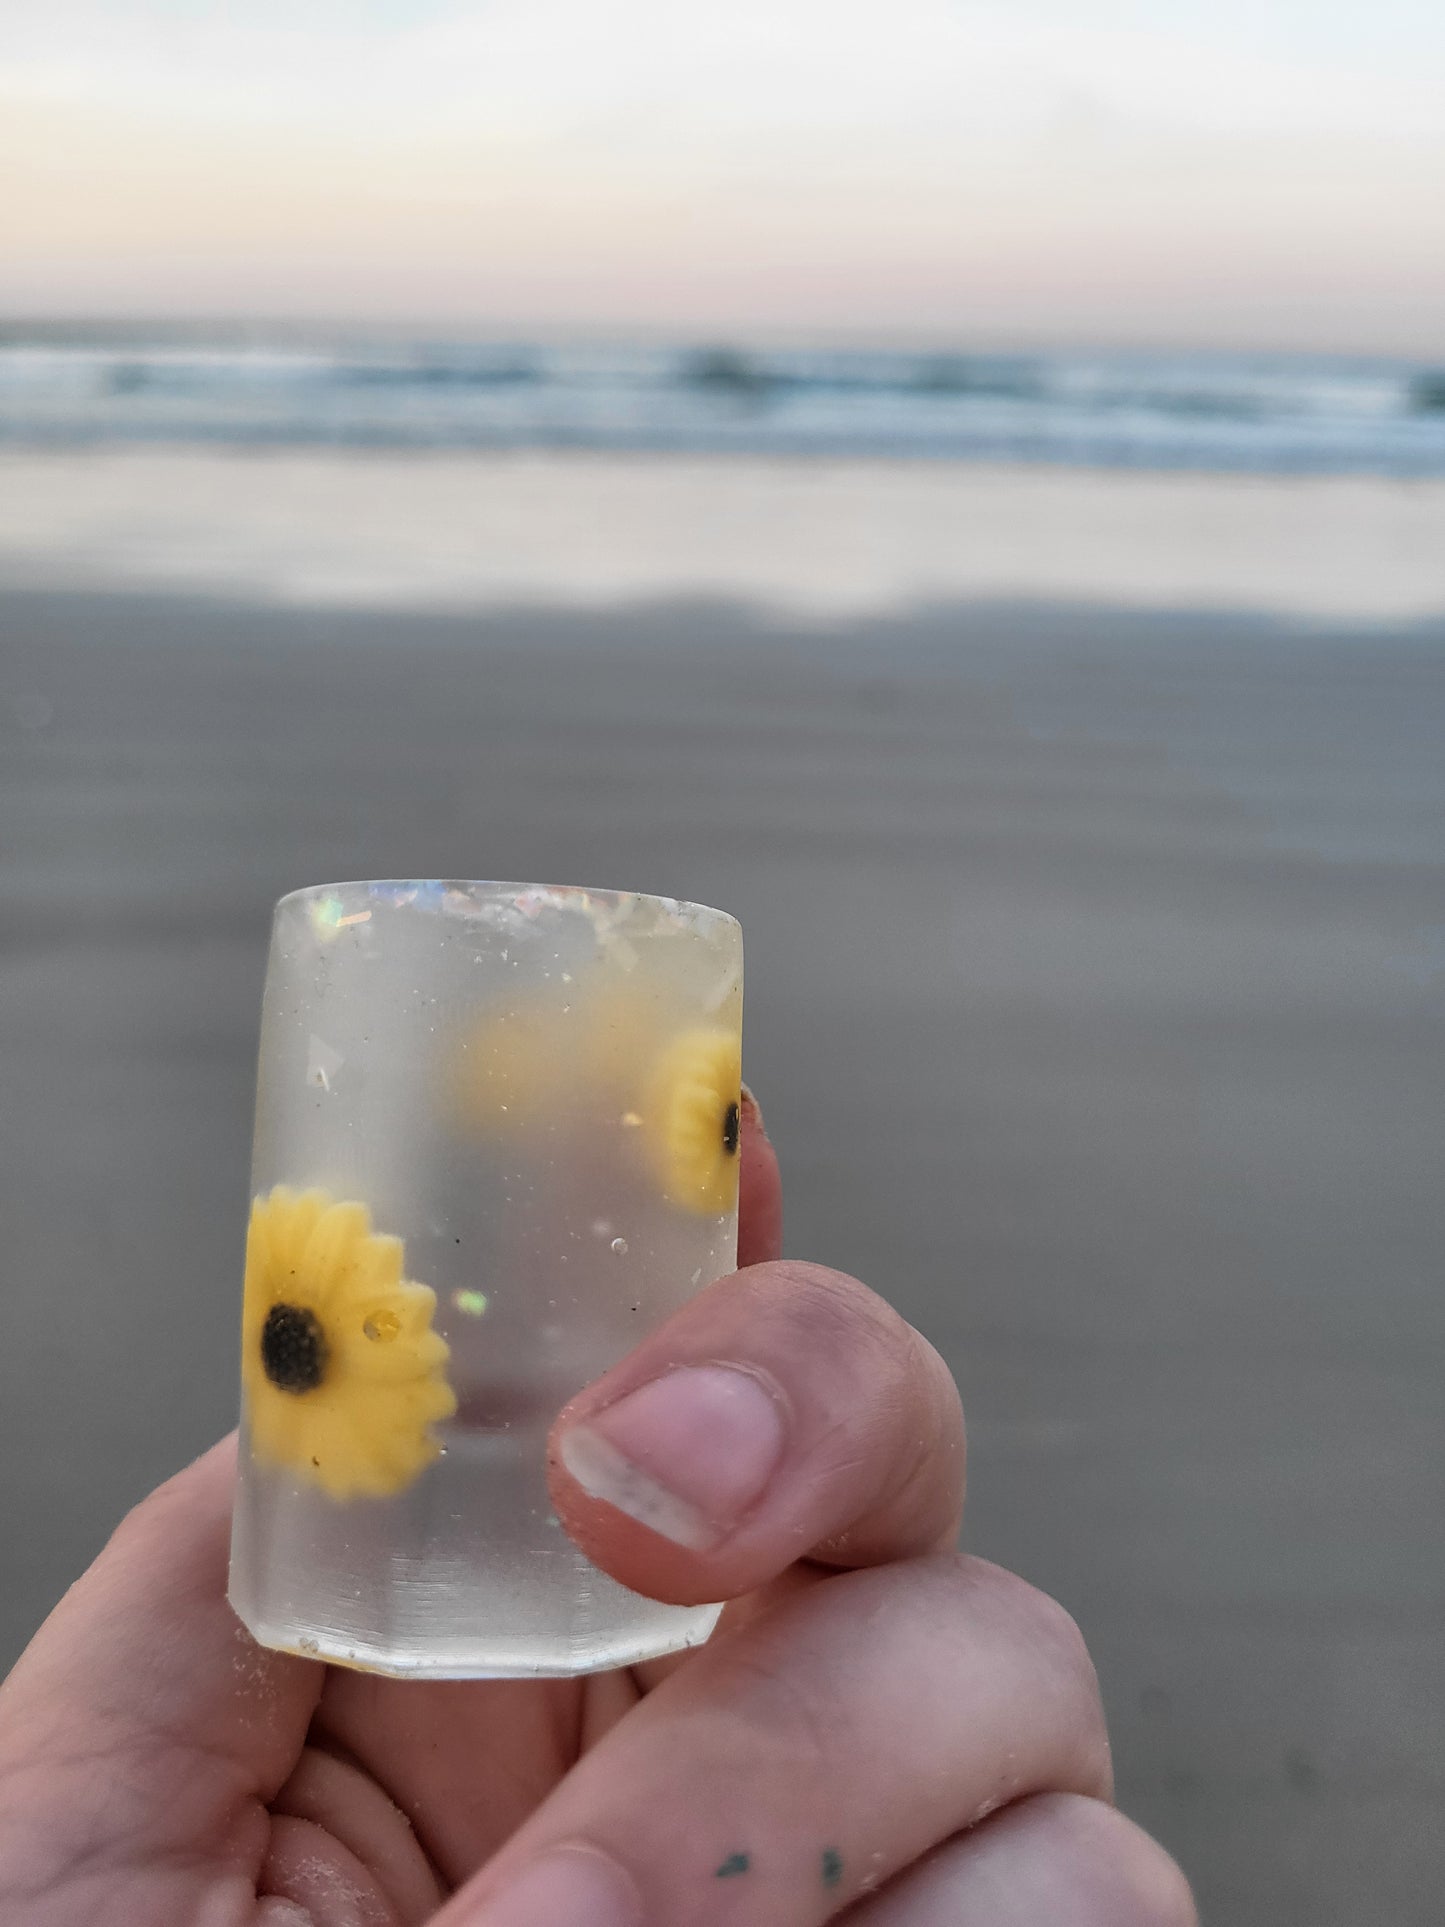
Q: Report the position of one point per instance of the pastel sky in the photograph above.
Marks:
(1155, 171)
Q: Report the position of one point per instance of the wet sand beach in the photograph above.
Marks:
(1096, 981)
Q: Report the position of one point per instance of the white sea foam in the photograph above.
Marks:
(819, 540)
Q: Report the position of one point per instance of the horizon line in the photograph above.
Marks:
(104, 327)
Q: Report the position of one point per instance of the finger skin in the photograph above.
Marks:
(872, 1467)
(143, 1726)
(760, 1190)
(1056, 1860)
(827, 1744)
(145, 1653)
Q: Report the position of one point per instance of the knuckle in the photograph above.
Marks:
(1084, 1860)
(1167, 1895)
(1057, 1633)
(1151, 1889)
(1049, 1628)
(1023, 1618)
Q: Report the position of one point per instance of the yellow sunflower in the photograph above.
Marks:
(341, 1372)
(526, 1066)
(692, 1116)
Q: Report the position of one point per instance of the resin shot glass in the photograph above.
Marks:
(496, 1144)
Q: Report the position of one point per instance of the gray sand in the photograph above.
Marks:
(1096, 983)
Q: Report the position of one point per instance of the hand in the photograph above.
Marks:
(880, 1728)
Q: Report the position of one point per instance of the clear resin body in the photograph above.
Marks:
(496, 1144)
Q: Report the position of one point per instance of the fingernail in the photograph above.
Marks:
(686, 1455)
(569, 1887)
(750, 1103)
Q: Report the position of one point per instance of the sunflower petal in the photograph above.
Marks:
(381, 1263)
(291, 1219)
(691, 1096)
(330, 1252)
(395, 1362)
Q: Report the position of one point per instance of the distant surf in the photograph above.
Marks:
(1281, 415)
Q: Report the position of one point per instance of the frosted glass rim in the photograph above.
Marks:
(503, 889)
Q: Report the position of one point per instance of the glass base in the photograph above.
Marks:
(519, 1658)
(467, 1575)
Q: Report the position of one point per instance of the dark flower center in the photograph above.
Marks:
(732, 1123)
(293, 1348)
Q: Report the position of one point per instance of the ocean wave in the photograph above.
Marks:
(1286, 415)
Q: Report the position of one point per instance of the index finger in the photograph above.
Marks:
(760, 1190)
